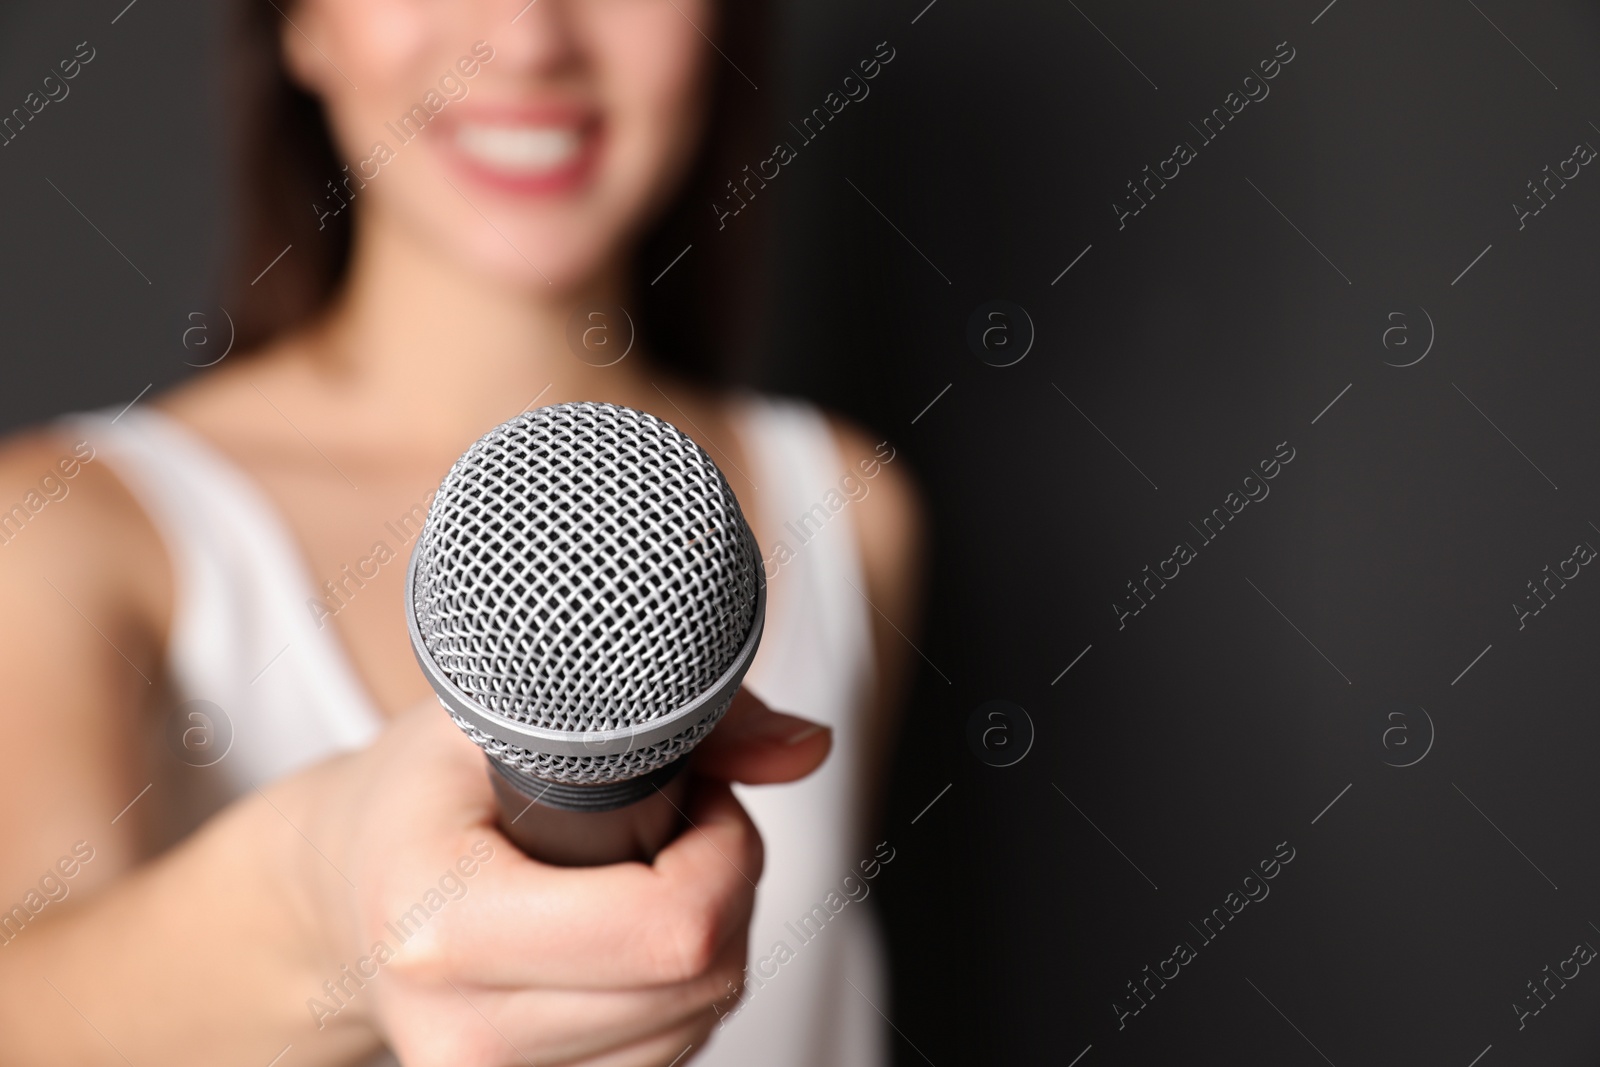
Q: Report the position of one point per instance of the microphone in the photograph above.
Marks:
(585, 597)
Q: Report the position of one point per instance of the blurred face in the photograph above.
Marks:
(530, 142)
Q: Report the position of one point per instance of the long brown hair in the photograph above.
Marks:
(698, 320)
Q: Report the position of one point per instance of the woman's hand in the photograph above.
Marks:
(440, 938)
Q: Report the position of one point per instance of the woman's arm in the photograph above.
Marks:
(97, 960)
(85, 587)
(197, 957)
(891, 536)
(367, 899)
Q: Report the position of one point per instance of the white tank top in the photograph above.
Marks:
(244, 638)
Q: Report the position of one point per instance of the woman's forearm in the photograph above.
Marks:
(194, 958)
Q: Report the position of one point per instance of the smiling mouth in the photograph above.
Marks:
(522, 150)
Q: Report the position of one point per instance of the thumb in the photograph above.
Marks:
(758, 746)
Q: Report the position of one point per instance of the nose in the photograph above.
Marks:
(534, 36)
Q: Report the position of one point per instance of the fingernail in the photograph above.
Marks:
(804, 733)
(779, 729)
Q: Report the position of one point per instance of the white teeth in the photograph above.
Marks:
(524, 149)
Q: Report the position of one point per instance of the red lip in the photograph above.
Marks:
(573, 175)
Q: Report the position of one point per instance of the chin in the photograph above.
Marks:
(541, 262)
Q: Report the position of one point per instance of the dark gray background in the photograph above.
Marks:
(1178, 752)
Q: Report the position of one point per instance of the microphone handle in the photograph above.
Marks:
(566, 836)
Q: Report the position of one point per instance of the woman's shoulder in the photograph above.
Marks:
(890, 513)
(67, 521)
(890, 525)
(885, 500)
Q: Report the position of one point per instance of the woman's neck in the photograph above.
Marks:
(423, 339)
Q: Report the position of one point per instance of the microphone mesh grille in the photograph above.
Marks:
(585, 567)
